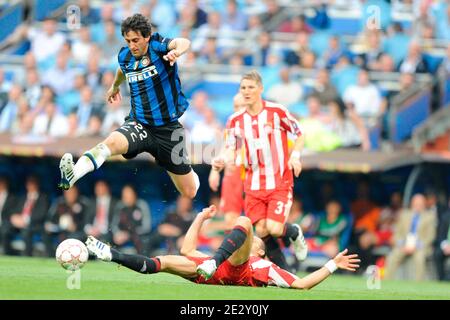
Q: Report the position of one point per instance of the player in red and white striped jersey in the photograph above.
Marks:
(262, 129)
(239, 259)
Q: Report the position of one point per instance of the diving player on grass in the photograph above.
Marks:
(240, 260)
(148, 64)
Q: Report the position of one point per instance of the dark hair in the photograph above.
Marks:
(136, 22)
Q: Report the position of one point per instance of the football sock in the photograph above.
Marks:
(274, 253)
(136, 262)
(289, 233)
(90, 161)
(230, 244)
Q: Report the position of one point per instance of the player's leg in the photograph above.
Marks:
(235, 248)
(186, 184)
(277, 213)
(116, 143)
(178, 265)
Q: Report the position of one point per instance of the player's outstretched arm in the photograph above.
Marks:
(341, 261)
(177, 47)
(113, 93)
(189, 247)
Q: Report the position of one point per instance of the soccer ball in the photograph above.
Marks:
(72, 254)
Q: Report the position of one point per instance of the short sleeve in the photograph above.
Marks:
(121, 59)
(159, 43)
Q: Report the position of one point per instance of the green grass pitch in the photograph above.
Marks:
(40, 278)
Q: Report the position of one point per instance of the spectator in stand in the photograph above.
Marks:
(365, 99)
(199, 16)
(174, 226)
(319, 137)
(46, 41)
(60, 77)
(214, 28)
(388, 218)
(385, 64)
(233, 18)
(272, 10)
(88, 14)
(373, 51)
(98, 30)
(295, 24)
(29, 216)
(98, 224)
(66, 219)
(126, 9)
(414, 62)
(207, 131)
(286, 91)
(32, 87)
(23, 110)
(132, 220)
(294, 57)
(81, 45)
(328, 237)
(210, 53)
(347, 126)
(323, 89)
(51, 123)
(8, 203)
(85, 109)
(9, 112)
(110, 45)
(414, 234)
(334, 51)
(262, 53)
(162, 15)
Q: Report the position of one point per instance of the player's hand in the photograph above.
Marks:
(214, 180)
(171, 56)
(208, 213)
(113, 94)
(295, 164)
(347, 262)
(218, 163)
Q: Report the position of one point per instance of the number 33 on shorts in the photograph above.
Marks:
(284, 207)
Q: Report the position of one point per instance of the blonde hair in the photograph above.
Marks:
(253, 75)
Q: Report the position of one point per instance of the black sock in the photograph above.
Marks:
(274, 253)
(290, 233)
(136, 262)
(230, 244)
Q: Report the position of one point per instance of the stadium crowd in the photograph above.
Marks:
(67, 72)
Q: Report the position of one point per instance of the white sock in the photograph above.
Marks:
(90, 161)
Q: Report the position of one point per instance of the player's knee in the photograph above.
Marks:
(261, 230)
(189, 192)
(276, 230)
(244, 222)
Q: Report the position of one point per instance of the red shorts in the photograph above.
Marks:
(226, 274)
(272, 205)
(232, 192)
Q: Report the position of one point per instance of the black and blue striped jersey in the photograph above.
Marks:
(155, 87)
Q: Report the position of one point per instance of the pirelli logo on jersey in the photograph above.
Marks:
(144, 74)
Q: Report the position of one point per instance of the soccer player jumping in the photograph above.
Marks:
(240, 260)
(148, 64)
